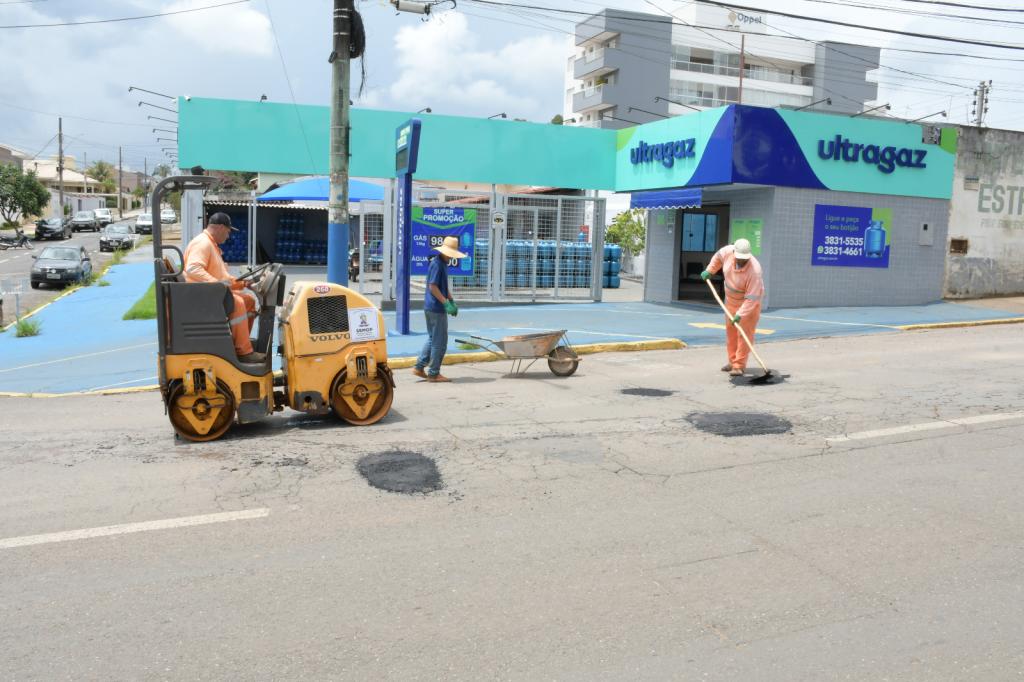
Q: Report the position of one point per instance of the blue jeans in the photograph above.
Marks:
(436, 345)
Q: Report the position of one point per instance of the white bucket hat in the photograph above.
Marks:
(450, 248)
(742, 249)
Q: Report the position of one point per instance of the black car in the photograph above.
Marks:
(61, 265)
(53, 228)
(85, 220)
(116, 237)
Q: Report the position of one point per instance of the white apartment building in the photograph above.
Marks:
(628, 67)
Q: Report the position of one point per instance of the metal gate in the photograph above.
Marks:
(371, 248)
(526, 247)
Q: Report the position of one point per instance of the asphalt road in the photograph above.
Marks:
(17, 264)
(572, 531)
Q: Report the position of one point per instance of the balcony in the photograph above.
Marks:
(597, 63)
(751, 71)
(597, 97)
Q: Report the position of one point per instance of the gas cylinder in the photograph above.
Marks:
(874, 239)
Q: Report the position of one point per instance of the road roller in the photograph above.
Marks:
(331, 341)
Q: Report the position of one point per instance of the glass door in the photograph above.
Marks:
(705, 231)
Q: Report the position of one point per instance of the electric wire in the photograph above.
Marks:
(291, 91)
(119, 19)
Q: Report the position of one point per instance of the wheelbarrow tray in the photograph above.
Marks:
(526, 346)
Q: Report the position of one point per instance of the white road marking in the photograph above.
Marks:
(78, 357)
(121, 529)
(927, 426)
(122, 383)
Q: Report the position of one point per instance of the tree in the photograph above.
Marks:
(558, 120)
(101, 170)
(162, 171)
(20, 193)
(629, 230)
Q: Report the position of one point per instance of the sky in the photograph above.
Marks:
(474, 60)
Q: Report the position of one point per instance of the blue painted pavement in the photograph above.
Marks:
(86, 346)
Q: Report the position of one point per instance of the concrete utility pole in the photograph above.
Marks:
(145, 183)
(60, 165)
(337, 200)
(119, 213)
(743, 50)
(981, 102)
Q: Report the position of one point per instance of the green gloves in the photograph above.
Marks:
(705, 275)
(451, 308)
(735, 319)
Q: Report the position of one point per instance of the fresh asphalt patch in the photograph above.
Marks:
(647, 392)
(777, 377)
(399, 471)
(732, 424)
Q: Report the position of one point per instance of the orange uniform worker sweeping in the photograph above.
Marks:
(204, 262)
(744, 289)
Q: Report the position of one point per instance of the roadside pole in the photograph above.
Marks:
(60, 166)
(337, 201)
(120, 214)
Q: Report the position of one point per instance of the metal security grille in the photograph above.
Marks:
(327, 314)
(371, 248)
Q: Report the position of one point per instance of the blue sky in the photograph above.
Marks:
(476, 60)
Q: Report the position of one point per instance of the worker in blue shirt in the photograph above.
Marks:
(437, 305)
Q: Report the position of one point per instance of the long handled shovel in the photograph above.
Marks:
(767, 377)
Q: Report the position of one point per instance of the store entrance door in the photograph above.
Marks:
(705, 231)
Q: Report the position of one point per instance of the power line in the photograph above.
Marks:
(110, 21)
(987, 8)
(77, 118)
(291, 92)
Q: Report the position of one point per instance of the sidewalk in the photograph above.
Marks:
(86, 346)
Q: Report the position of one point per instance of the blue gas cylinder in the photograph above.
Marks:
(874, 239)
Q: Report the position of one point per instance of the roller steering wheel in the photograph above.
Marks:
(251, 275)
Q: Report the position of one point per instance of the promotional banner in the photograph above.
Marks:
(851, 236)
(429, 228)
(749, 229)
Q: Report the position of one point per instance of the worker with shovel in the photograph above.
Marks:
(744, 288)
(437, 304)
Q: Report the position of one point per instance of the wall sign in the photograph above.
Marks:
(664, 153)
(429, 228)
(749, 229)
(851, 236)
(885, 159)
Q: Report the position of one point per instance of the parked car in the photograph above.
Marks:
(118, 236)
(61, 265)
(53, 228)
(144, 223)
(104, 216)
(168, 216)
(85, 220)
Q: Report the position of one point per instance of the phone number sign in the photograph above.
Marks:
(430, 226)
(851, 236)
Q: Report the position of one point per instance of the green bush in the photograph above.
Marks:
(27, 327)
(103, 283)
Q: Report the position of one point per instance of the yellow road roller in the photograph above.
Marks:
(330, 338)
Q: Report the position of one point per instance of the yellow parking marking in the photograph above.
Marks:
(715, 325)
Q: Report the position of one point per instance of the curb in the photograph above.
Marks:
(406, 363)
(955, 325)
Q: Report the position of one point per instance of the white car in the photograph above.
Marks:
(144, 223)
(168, 215)
(104, 216)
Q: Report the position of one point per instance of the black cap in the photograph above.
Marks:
(221, 219)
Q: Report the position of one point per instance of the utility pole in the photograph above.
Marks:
(743, 50)
(60, 165)
(145, 183)
(120, 215)
(337, 201)
(981, 102)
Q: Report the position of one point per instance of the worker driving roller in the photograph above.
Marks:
(204, 262)
(744, 288)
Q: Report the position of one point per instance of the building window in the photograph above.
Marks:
(958, 246)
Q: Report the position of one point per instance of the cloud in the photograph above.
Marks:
(442, 65)
(238, 29)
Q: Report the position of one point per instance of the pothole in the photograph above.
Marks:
(730, 424)
(400, 472)
(744, 380)
(647, 392)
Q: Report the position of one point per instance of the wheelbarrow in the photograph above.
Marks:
(562, 359)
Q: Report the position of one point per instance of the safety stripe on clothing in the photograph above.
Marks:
(237, 320)
(751, 297)
(735, 291)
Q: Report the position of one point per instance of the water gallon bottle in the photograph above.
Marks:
(467, 242)
(874, 239)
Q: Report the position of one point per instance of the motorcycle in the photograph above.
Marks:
(18, 241)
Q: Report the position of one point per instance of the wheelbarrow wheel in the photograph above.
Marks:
(563, 361)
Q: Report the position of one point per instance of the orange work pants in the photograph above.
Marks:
(240, 322)
(734, 345)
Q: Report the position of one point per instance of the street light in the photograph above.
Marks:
(501, 115)
(648, 112)
(165, 130)
(157, 107)
(827, 100)
(165, 139)
(868, 111)
(937, 113)
(165, 120)
(672, 101)
(624, 120)
(158, 94)
(424, 110)
(263, 98)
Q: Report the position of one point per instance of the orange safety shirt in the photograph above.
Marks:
(204, 261)
(746, 284)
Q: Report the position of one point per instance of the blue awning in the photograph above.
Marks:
(679, 197)
(316, 189)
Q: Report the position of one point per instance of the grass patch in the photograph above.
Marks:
(103, 283)
(145, 307)
(30, 327)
